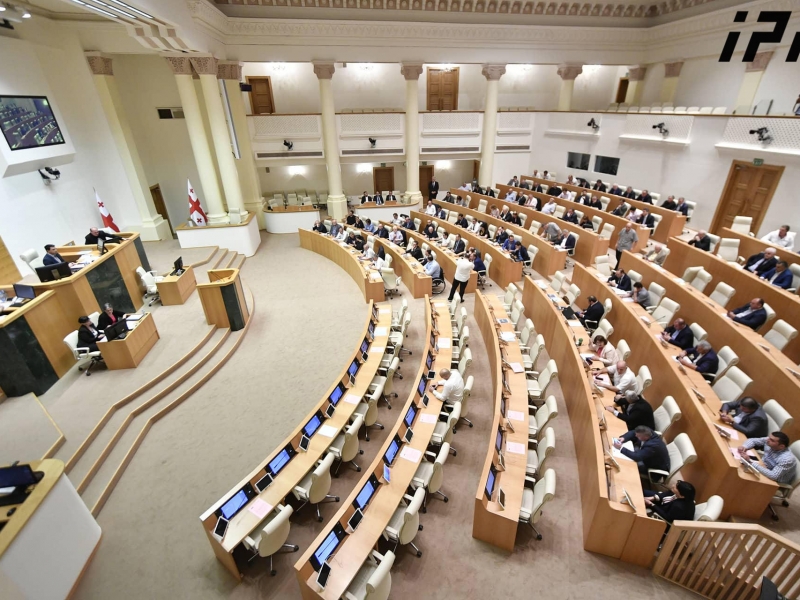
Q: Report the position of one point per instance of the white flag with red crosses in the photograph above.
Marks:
(196, 212)
(108, 220)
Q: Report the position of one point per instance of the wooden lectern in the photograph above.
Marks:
(223, 299)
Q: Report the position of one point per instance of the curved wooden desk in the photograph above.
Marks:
(356, 547)
(748, 246)
(490, 522)
(716, 471)
(610, 525)
(413, 274)
(672, 222)
(370, 283)
(290, 218)
(502, 270)
(245, 522)
(747, 286)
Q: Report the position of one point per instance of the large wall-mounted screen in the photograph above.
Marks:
(28, 122)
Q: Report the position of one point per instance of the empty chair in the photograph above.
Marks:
(643, 379)
(714, 242)
(722, 294)
(777, 416)
(604, 202)
(742, 225)
(681, 452)
(667, 109)
(727, 359)
(272, 537)
(698, 332)
(533, 500)
(404, 523)
(149, 281)
(368, 409)
(543, 416)
(690, 211)
(443, 430)
(32, 259)
(509, 296)
(527, 264)
(597, 222)
(464, 404)
(710, 510)
(464, 363)
(482, 205)
(795, 269)
(697, 277)
(314, 487)
(732, 385)
(665, 312)
(728, 250)
(693, 110)
(665, 415)
(492, 230)
(560, 210)
(623, 349)
(373, 580)
(345, 447)
(531, 347)
(603, 265)
(517, 314)
(607, 231)
(535, 227)
(537, 387)
(557, 281)
(781, 334)
(719, 110)
(523, 218)
(391, 282)
(680, 109)
(537, 457)
(483, 279)
(463, 341)
(604, 328)
(656, 292)
(399, 316)
(430, 474)
(81, 354)
(706, 110)
(573, 293)
(635, 276)
(461, 320)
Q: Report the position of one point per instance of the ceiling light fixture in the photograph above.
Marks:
(100, 10)
(132, 9)
(119, 10)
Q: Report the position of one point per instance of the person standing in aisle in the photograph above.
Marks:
(464, 266)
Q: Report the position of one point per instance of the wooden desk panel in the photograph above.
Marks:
(715, 471)
(502, 270)
(747, 286)
(330, 249)
(412, 272)
(176, 290)
(672, 222)
(128, 353)
(748, 246)
(356, 547)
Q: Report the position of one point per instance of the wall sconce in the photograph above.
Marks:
(443, 164)
(289, 145)
(763, 134)
(593, 124)
(294, 171)
(372, 142)
(661, 129)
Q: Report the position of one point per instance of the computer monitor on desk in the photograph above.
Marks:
(282, 459)
(365, 350)
(116, 331)
(351, 372)
(391, 452)
(367, 492)
(328, 546)
(53, 272)
(26, 292)
(490, 483)
(178, 267)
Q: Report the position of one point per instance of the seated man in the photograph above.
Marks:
(629, 193)
(752, 314)
(670, 203)
(513, 181)
(702, 359)
(500, 236)
(570, 217)
(477, 261)
(351, 218)
(657, 255)
(448, 197)
(780, 463)
(645, 197)
(622, 378)
(566, 240)
(383, 232)
(109, 316)
(571, 180)
(586, 223)
(414, 250)
(432, 267)
(677, 504)
(88, 336)
(441, 213)
(594, 203)
(701, 241)
(336, 229)
(452, 385)
(522, 199)
(459, 246)
(430, 233)
(509, 244)
(365, 197)
(599, 186)
(95, 234)
(358, 244)
(745, 416)
(359, 223)
(646, 219)
(390, 197)
(52, 257)
(615, 190)
(525, 184)
(520, 253)
(583, 198)
(780, 276)
(682, 207)
(780, 237)
(397, 220)
(634, 410)
(554, 191)
(762, 262)
(514, 218)
(461, 221)
(378, 199)
(474, 225)
(535, 203)
(490, 192)
(649, 450)
(409, 224)
(678, 334)
(640, 295)
(319, 227)
(620, 210)
(511, 196)
(430, 209)
(504, 214)
(550, 207)
(620, 280)
(396, 236)
(593, 313)
(369, 226)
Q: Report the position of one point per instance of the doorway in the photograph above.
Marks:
(161, 207)
(747, 193)
(425, 177)
(261, 99)
(622, 90)
(476, 169)
(382, 179)
(442, 86)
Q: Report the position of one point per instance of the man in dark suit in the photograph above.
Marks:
(409, 224)
(646, 219)
(629, 193)
(595, 203)
(645, 197)
(461, 221)
(634, 410)
(702, 359)
(88, 336)
(780, 275)
(95, 234)
(649, 450)
(620, 280)
(593, 312)
(701, 241)
(554, 190)
(490, 192)
(682, 207)
(383, 232)
(108, 317)
(459, 246)
(390, 197)
(433, 189)
(675, 505)
(378, 199)
(365, 198)
(748, 417)
(599, 186)
(520, 253)
(52, 257)
(615, 190)
(566, 240)
(670, 203)
(448, 197)
(525, 184)
(678, 334)
(500, 236)
(762, 262)
(753, 314)
(440, 212)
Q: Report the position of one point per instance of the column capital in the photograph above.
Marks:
(99, 63)
(324, 69)
(636, 72)
(229, 69)
(569, 72)
(205, 65)
(493, 72)
(673, 69)
(760, 62)
(411, 71)
(180, 65)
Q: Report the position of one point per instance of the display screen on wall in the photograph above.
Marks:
(578, 160)
(28, 122)
(606, 164)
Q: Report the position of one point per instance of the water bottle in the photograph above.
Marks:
(580, 342)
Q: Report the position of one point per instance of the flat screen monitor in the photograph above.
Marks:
(503, 406)
(367, 492)
(490, 481)
(433, 340)
(328, 546)
(364, 346)
(371, 330)
(304, 443)
(498, 442)
(408, 436)
(178, 264)
(117, 329)
(29, 122)
(313, 424)
(101, 245)
(421, 387)
(429, 361)
(336, 394)
(353, 369)
(281, 460)
(410, 415)
(263, 483)
(391, 452)
(24, 291)
(53, 272)
(234, 505)
(18, 475)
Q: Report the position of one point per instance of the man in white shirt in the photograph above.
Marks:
(780, 237)
(511, 196)
(464, 267)
(396, 236)
(622, 378)
(452, 386)
(396, 220)
(430, 209)
(550, 207)
(474, 225)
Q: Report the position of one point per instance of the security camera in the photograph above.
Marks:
(661, 129)
(593, 124)
(372, 142)
(289, 145)
(763, 134)
(50, 175)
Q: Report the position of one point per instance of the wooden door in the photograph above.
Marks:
(476, 169)
(158, 201)
(443, 89)
(261, 98)
(9, 273)
(747, 193)
(622, 90)
(383, 179)
(425, 176)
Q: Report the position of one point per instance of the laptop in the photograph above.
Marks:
(568, 313)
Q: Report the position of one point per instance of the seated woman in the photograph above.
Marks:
(677, 504)
(109, 316)
(586, 223)
(88, 335)
(483, 232)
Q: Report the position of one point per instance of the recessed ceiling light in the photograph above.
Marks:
(131, 8)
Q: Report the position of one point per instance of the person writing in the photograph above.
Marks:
(635, 412)
(620, 280)
(520, 253)
(640, 295)
(593, 313)
(88, 336)
(657, 255)
(452, 385)
(109, 316)
(649, 450)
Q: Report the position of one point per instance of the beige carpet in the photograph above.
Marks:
(310, 316)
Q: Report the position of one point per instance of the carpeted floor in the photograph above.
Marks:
(309, 318)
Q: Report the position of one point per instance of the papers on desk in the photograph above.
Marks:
(375, 276)
(515, 448)
(620, 292)
(729, 430)
(134, 317)
(410, 454)
(440, 304)
(587, 356)
(379, 331)
(604, 378)
(352, 399)
(515, 415)
(82, 252)
(553, 297)
(678, 280)
(427, 418)
(377, 349)
(503, 321)
(575, 323)
(631, 300)
(737, 456)
(328, 431)
(508, 336)
(384, 311)
(618, 454)
(86, 259)
(260, 508)
(443, 342)
(516, 367)
(542, 284)
(646, 319)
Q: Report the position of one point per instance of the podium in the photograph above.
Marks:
(174, 290)
(223, 299)
(128, 353)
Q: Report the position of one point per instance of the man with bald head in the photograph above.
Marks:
(622, 378)
(678, 334)
(95, 234)
(753, 314)
(701, 241)
(657, 255)
(452, 386)
(762, 262)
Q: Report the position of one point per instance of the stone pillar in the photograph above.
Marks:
(635, 85)
(493, 73)
(212, 199)
(754, 71)
(568, 74)
(231, 74)
(337, 202)
(154, 227)
(412, 71)
(206, 67)
(669, 86)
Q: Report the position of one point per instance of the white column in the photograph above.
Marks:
(337, 202)
(412, 71)
(154, 227)
(206, 168)
(753, 73)
(568, 74)
(206, 67)
(493, 73)
(672, 70)
(635, 84)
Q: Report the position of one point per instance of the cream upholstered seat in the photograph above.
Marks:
(710, 510)
(604, 328)
(460, 323)
(643, 379)
(465, 362)
(32, 259)
(771, 314)
(697, 277)
(373, 581)
(368, 409)
(681, 452)
(531, 347)
(528, 264)
(404, 523)
(538, 387)
(722, 294)
(729, 250)
(81, 354)
(623, 349)
(509, 296)
(656, 293)
(727, 359)
(430, 474)
(273, 535)
(781, 334)
(777, 416)
(543, 416)
(533, 500)
(635, 276)
(665, 312)
(665, 415)
(573, 293)
(557, 281)
(463, 342)
(698, 332)
(345, 447)
(607, 231)
(443, 430)
(537, 457)
(314, 487)
(742, 225)
(731, 386)
(603, 265)
(149, 280)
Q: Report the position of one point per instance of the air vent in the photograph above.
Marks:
(462, 149)
(373, 151)
(170, 113)
(509, 148)
(288, 154)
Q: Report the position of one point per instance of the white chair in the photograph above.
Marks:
(482, 205)
(643, 379)
(533, 500)
(602, 265)
(368, 409)
(430, 474)
(560, 210)
(635, 276)
(665, 415)
(391, 282)
(464, 363)
(517, 315)
(483, 278)
(771, 314)
(795, 269)
(398, 316)
(729, 250)
(509, 296)
(604, 328)
(528, 264)
(732, 385)
(557, 281)
(463, 342)
(710, 510)
(373, 581)
(697, 277)
(742, 225)
(607, 231)
(538, 457)
(719, 110)
(573, 293)
(727, 359)
(656, 292)
(314, 487)
(538, 387)
(32, 259)
(699, 333)
(781, 334)
(81, 354)
(150, 280)
(681, 452)
(722, 294)
(785, 490)
(690, 211)
(443, 430)
(404, 523)
(345, 447)
(272, 537)
(715, 239)
(530, 352)
(777, 416)
(665, 312)
(623, 349)
(597, 222)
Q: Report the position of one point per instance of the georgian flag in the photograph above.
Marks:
(108, 220)
(196, 212)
